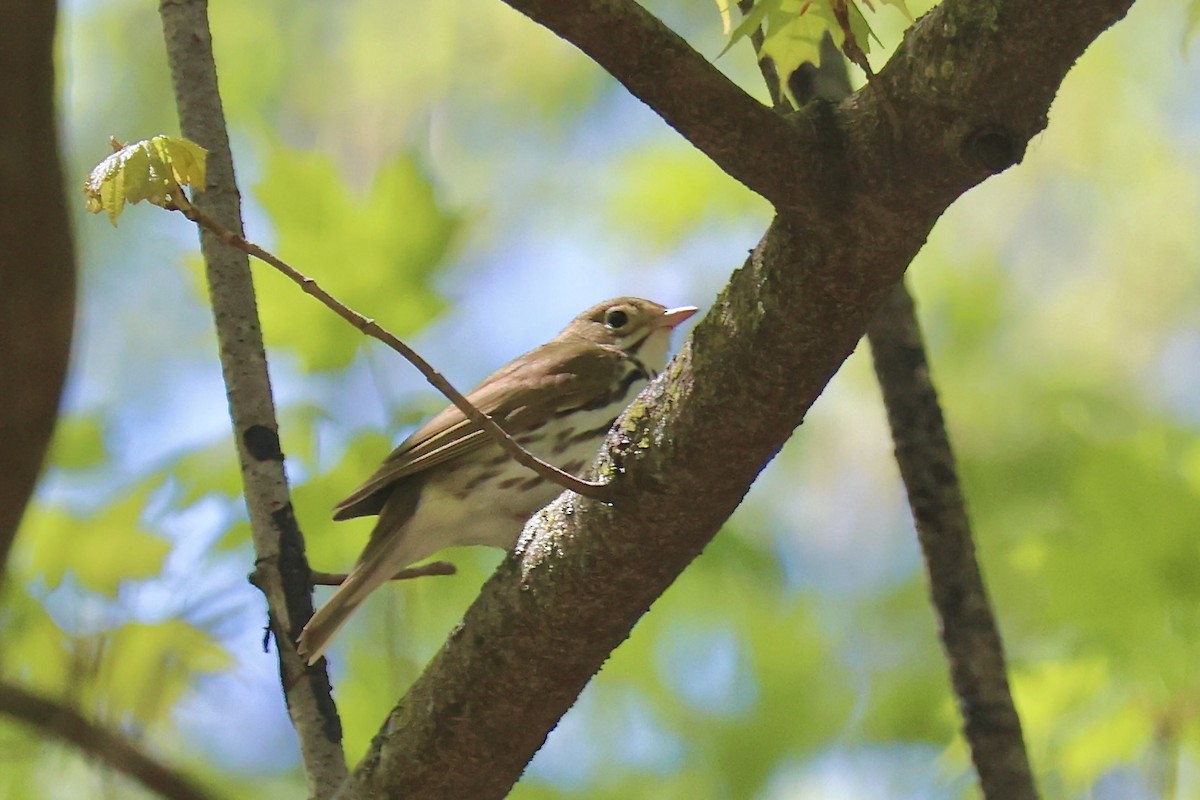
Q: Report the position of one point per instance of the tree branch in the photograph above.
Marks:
(968, 628)
(281, 569)
(425, 570)
(62, 722)
(972, 82)
(663, 71)
(37, 270)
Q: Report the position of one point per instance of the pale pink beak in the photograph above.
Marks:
(673, 316)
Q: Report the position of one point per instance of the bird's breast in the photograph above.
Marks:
(486, 497)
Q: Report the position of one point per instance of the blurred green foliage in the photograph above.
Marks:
(394, 235)
(421, 159)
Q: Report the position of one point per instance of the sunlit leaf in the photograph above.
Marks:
(333, 546)
(148, 170)
(794, 33)
(751, 21)
(793, 29)
(667, 194)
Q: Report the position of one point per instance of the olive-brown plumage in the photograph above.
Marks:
(450, 484)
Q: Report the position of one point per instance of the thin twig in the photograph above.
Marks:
(106, 745)
(432, 568)
(368, 326)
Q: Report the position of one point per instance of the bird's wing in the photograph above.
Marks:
(520, 396)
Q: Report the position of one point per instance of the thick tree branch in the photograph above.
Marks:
(61, 722)
(281, 571)
(968, 629)
(37, 265)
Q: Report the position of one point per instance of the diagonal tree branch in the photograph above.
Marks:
(972, 82)
(968, 628)
(662, 70)
(282, 571)
(110, 747)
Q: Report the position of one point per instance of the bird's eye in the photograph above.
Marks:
(616, 318)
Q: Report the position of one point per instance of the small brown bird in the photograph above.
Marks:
(450, 484)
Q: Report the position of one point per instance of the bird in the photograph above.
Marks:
(450, 484)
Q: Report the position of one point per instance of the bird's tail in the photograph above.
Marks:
(320, 630)
(388, 550)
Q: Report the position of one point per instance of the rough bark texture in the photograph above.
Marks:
(971, 83)
(968, 629)
(37, 267)
(282, 571)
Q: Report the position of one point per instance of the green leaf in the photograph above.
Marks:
(375, 252)
(78, 443)
(35, 648)
(333, 546)
(147, 667)
(793, 34)
(750, 22)
(794, 28)
(150, 170)
(208, 469)
(666, 194)
(101, 550)
(1078, 717)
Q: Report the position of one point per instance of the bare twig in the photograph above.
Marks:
(62, 722)
(432, 568)
(281, 570)
(968, 628)
(590, 489)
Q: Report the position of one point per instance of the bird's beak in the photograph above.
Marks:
(673, 316)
